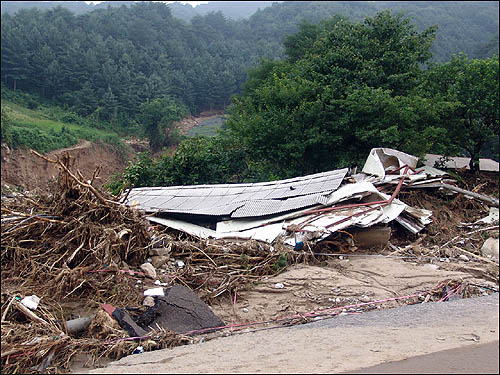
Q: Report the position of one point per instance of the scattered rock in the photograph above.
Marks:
(344, 263)
(180, 310)
(490, 248)
(365, 299)
(159, 260)
(148, 301)
(432, 267)
(149, 270)
(159, 252)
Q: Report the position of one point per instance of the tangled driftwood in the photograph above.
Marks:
(73, 244)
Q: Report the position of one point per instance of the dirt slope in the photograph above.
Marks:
(20, 168)
(24, 169)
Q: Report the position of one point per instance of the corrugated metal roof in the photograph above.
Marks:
(271, 206)
(458, 162)
(239, 200)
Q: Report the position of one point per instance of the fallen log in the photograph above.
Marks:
(490, 200)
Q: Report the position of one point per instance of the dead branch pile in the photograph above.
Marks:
(54, 240)
(52, 246)
(73, 245)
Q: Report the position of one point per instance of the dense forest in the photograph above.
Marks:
(231, 9)
(464, 26)
(298, 79)
(344, 88)
(112, 58)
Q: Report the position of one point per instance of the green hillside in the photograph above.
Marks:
(42, 126)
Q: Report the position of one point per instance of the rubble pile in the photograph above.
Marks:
(79, 245)
(86, 272)
(216, 267)
(52, 247)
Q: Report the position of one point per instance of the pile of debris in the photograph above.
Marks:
(52, 249)
(70, 256)
(83, 271)
(308, 209)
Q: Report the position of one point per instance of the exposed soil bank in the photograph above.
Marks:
(24, 169)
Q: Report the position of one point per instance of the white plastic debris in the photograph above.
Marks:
(138, 350)
(180, 263)
(158, 282)
(154, 292)
(491, 218)
(31, 302)
(278, 286)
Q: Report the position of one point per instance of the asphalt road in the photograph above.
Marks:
(414, 339)
(478, 359)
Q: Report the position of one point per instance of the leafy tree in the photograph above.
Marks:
(157, 116)
(137, 173)
(473, 86)
(354, 88)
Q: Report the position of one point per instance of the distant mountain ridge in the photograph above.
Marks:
(105, 61)
(231, 9)
(464, 26)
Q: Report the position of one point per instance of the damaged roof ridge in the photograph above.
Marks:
(305, 179)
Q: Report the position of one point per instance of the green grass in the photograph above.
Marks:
(208, 127)
(44, 130)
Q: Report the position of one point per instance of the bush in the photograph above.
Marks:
(26, 137)
(71, 118)
(31, 103)
(6, 127)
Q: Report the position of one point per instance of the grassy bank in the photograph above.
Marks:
(43, 126)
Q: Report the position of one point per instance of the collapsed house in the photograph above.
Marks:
(308, 208)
